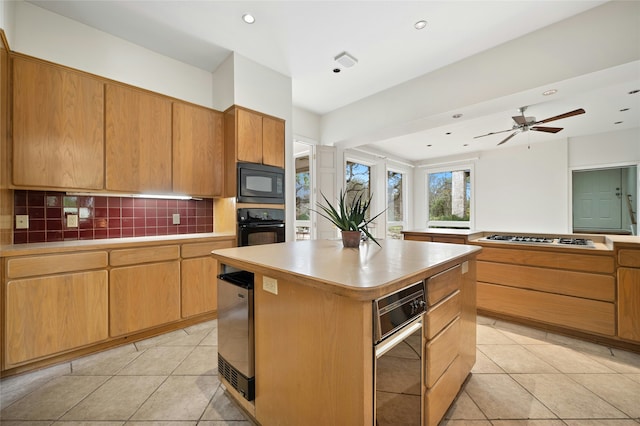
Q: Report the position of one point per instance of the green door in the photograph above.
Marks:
(596, 199)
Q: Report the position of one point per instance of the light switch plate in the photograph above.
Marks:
(72, 221)
(22, 221)
(176, 218)
(270, 284)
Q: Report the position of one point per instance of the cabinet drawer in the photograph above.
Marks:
(54, 264)
(566, 311)
(570, 283)
(144, 255)
(418, 237)
(451, 240)
(441, 351)
(628, 257)
(551, 259)
(443, 284)
(442, 314)
(441, 395)
(204, 249)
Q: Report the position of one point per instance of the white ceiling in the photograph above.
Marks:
(300, 39)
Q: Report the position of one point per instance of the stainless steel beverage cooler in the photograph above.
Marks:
(235, 330)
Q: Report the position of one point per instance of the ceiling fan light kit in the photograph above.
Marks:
(524, 124)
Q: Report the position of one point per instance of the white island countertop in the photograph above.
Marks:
(365, 273)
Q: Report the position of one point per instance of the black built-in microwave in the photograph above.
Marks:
(258, 183)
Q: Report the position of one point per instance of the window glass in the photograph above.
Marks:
(357, 177)
(449, 198)
(395, 204)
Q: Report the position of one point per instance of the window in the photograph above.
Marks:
(395, 204)
(303, 198)
(358, 178)
(449, 198)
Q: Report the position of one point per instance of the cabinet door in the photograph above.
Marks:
(629, 304)
(48, 315)
(199, 286)
(138, 140)
(197, 151)
(249, 136)
(143, 296)
(57, 127)
(273, 141)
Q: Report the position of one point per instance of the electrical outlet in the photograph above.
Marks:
(22, 221)
(270, 284)
(176, 218)
(72, 221)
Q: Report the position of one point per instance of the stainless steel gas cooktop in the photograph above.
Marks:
(525, 239)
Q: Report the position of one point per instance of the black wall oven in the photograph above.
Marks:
(260, 226)
(258, 183)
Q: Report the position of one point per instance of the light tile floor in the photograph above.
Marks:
(522, 377)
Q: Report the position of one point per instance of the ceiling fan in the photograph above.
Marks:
(523, 124)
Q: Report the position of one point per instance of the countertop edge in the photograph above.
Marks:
(111, 243)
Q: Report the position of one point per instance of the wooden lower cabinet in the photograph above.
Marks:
(48, 315)
(143, 296)
(629, 304)
(199, 286)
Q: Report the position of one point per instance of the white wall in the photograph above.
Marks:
(306, 126)
(523, 189)
(50, 36)
(7, 19)
(605, 149)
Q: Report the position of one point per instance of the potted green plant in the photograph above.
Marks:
(350, 218)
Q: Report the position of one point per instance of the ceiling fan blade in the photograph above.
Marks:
(546, 129)
(561, 116)
(509, 137)
(493, 133)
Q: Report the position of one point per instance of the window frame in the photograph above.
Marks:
(405, 200)
(452, 223)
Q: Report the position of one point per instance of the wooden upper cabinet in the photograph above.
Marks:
(273, 141)
(258, 138)
(138, 140)
(57, 127)
(249, 136)
(198, 139)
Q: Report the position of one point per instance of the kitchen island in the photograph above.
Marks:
(314, 327)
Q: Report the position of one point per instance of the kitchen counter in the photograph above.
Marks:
(363, 274)
(313, 325)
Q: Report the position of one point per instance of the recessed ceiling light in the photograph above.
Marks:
(549, 92)
(448, 133)
(624, 109)
(618, 122)
(336, 70)
(248, 18)
(420, 24)
(456, 115)
(633, 92)
(466, 144)
(429, 146)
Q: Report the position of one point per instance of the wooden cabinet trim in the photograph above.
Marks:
(56, 263)
(144, 255)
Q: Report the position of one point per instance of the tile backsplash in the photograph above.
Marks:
(106, 217)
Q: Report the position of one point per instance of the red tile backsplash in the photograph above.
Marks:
(106, 217)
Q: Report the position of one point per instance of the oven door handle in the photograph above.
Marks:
(261, 225)
(393, 340)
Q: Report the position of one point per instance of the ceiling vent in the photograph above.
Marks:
(346, 60)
